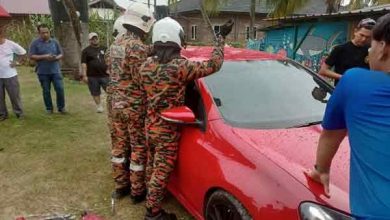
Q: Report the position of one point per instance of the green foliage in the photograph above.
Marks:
(236, 44)
(24, 31)
(280, 8)
(103, 27)
(42, 19)
(356, 4)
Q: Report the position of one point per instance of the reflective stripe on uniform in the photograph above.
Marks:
(118, 159)
(137, 168)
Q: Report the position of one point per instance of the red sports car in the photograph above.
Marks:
(249, 134)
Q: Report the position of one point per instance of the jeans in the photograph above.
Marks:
(46, 80)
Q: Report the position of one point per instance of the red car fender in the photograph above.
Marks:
(252, 178)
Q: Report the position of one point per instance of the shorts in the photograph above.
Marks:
(96, 83)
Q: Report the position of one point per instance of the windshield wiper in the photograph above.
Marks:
(307, 124)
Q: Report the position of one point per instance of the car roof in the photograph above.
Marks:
(231, 53)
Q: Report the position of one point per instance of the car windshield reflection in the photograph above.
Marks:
(268, 94)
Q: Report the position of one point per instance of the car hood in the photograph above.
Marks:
(294, 151)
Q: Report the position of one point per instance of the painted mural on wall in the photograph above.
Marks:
(320, 39)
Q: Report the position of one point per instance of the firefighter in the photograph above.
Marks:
(164, 78)
(125, 56)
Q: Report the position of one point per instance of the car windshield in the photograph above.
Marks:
(268, 94)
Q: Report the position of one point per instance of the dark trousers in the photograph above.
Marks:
(11, 85)
(56, 79)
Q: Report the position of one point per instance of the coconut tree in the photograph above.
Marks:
(280, 8)
(356, 4)
(71, 29)
(277, 7)
(334, 5)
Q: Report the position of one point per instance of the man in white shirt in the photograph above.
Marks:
(8, 76)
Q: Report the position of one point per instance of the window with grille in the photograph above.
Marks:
(249, 33)
(217, 28)
(194, 32)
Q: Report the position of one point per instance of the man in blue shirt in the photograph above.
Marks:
(360, 105)
(47, 52)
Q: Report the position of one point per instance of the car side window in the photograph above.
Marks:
(193, 100)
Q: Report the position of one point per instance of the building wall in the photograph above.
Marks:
(321, 39)
(204, 34)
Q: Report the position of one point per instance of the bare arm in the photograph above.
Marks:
(84, 69)
(17, 60)
(59, 57)
(328, 145)
(84, 72)
(39, 57)
(327, 72)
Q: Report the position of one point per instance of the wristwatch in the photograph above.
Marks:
(321, 169)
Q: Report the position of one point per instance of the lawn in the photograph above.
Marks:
(59, 163)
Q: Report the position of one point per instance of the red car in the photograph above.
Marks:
(249, 134)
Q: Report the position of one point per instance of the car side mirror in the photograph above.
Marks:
(319, 94)
(180, 115)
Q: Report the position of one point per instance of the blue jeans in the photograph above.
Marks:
(56, 79)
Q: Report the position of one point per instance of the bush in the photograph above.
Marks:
(236, 44)
(103, 27)
(24, 31)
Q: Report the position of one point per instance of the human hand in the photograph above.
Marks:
(226, 28)
(46, 57)
(85, 79)
(52, 57)
(13, 64)
(322, 178)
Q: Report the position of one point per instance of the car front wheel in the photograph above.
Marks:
(223, 206)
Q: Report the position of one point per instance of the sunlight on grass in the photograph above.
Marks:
(59, 163)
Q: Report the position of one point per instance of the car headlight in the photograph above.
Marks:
(313, 211)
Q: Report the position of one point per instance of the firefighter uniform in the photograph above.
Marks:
(127, 107)
(165, 85)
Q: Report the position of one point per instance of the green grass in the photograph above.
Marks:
(59, 163)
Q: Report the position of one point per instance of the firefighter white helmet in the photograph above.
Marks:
(168, 30)
(118, 26)
(140, 16)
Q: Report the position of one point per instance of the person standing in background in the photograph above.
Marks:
(351, 54)
(47, 53)
(360, 106)
(95, 69)
(8, 76)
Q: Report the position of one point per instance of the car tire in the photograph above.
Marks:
(223, 206)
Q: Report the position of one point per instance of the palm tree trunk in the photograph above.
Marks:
(206, 19)
(70, 32)
(252, 15)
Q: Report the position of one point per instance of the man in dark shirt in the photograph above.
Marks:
(351, 54)
(95, 69)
